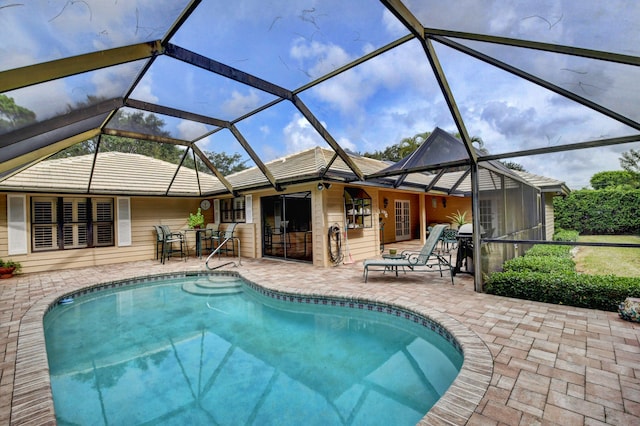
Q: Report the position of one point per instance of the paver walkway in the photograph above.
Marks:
(547, 364)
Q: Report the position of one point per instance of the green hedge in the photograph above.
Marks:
(546, 264)
(595, 212)
(547, 273)
(566, 235)
(549, 250)
(604, 292)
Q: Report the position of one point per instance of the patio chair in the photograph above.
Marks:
(223, 235)
(171, 238)
(211, 233)
(449, 239)
(414, 261)
(159, 241)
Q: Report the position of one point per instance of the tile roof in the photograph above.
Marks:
(135, 174)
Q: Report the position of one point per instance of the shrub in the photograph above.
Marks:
(604, 292)
(566, 235)
(546, 264)
(549, 250)
(547, 274)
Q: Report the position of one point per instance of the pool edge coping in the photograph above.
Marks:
(32, 399)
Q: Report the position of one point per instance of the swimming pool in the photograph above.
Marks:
(203, 362)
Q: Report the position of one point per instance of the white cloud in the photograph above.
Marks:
(300, 135)
(190, 130)
(55, 102)
(241, 103)
(323, 57)
(392, 25)
(115, 81)
(144, 91)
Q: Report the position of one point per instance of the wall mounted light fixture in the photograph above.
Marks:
(385, 202)
(444, 202)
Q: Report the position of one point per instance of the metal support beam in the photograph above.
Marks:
(219, 68)
(32, 156)
(475, 213)
(265, 171)
(435, 180)
(419, 169)
(405, 16)
(563, 148)
(327, 136)
(159, 109)
(39, 73)
(213, 168)
(355, 63)
(58, 122)
(415, 27)
(449, 98)
(145, 136)
(459, 181)
(529, 44)
(539, 81)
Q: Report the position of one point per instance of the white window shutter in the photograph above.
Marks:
(17, 224)
(124, 221)
(248, 208)
(216, 210)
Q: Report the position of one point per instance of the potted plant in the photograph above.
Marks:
(458, 218)
(8, 268)
(196, 220)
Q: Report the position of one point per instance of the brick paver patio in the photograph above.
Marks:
(525, 363)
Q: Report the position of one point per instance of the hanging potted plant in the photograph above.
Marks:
(8, 268)
(196, 221)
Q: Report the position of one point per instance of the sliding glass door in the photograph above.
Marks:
(286, 230)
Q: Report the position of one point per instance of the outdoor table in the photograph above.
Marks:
(198, 234)
(393, 256)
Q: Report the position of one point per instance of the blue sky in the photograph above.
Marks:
(368, 107)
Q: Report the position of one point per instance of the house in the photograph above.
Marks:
(104, 207)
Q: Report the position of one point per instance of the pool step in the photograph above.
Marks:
(213, 285)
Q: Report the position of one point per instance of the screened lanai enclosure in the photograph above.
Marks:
(551, 85)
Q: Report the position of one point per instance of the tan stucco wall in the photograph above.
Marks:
(327, 209)
(439, 213)
(145, 212)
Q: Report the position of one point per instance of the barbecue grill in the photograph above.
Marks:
(464, 255)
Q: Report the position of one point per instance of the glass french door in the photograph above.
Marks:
(286, 226)
(403, 220)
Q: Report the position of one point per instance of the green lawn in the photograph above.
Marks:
(619, 261)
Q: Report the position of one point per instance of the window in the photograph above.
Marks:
(486, 218)
(233, 209)
(69, 223)
(357, 207)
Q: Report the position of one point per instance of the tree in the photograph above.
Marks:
(147, 124)
(630, 161)
(514, 166)
(138, 122)
(13, 116)
(226, 164)
(406, 146)
(616, 179)
(400, 150)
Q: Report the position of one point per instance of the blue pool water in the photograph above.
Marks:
(158, 354)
